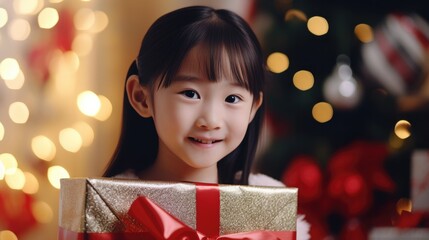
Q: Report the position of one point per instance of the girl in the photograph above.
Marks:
(193, 102)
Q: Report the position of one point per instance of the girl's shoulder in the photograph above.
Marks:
(259, 179)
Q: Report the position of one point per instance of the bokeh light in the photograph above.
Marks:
(101, 22)
(17, 83)
(84, 19)
(402, 129)
(55, 173)
(86, 132)
(88, 103)
(105, 109)
(43, 147)
(8, 235)
(19, 29)
(3, 17)
(1, 131)
(318, 25)
(70, 139)
(404, 204)
(322, 112)
(9, 69)
(295, 14)
(18, 112)
(48, 18)
(42, 212)
(277, 62)
(27, 7)
(303, 80)
(2, 171)
(15, 180)
(9, 163)
(31, 185)
(364, 33)
(71, 59)
(82, 44)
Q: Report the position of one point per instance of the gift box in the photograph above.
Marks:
(420, 180)
(106, 208)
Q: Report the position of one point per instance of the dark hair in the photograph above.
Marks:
(163, 48)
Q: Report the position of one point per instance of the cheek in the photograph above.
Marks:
(239, 124)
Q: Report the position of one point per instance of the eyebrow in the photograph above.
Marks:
(185, 77)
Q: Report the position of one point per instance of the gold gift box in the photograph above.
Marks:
(101, 205)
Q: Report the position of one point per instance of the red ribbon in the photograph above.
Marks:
(160, 225)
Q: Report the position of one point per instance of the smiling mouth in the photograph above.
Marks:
(204, 141)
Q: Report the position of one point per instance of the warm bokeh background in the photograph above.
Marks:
(332, 130)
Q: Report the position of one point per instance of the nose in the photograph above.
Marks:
(210, 117)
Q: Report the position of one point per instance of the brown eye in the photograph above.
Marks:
(232, 99)
(190, 94)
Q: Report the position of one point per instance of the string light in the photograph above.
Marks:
(43, 148)
(364, 33)
(277, 62)
(1, 131)
(3, 17)
(48, 18)
(31, 185)
(27, 7)
(88, 103)
(318, 25)
(19, 29)
(8, 235)
(18, 112)
(86, 132)
(2, 171)
(9, 163)
(84, 19)
(9, 69)
(55, 173)
(101, 22)
(15, 180)
(303, 80)
(62, 68)
(105, 109)
(402, 129)
(322, 112)
(70, 139)
(17, 83)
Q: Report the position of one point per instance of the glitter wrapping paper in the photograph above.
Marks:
(102, 205)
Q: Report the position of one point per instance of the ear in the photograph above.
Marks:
(256, 104)
(138, 96)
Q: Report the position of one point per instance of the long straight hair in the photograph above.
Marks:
(167, 42)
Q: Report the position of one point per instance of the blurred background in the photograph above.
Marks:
(347, 99)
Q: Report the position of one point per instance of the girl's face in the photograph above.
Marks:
(199, 121)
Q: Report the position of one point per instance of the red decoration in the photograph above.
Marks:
(16, 214)
(305, 174)
(366, 158)
(344, 190)
(60, 38)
